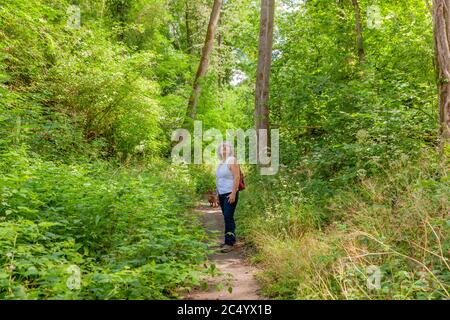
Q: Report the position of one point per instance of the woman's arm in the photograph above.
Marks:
(234, 167)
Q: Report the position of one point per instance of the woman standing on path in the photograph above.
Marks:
(227, 185)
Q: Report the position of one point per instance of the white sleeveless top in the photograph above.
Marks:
(224, 177)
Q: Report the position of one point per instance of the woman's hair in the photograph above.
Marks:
(230, 148)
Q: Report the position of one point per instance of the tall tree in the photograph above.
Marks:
(188, 28)
(441, 27)
(263, 69)
(358, 27)
(204, 59)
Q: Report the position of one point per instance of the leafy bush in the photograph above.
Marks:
(73, 85)
(125, 229)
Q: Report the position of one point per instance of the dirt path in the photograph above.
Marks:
(237, 273)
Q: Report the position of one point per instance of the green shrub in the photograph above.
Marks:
(127, 230)
(313, 247)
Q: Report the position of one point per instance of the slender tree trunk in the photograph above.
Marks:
(188, 29)
(441, 27)
(204, 60)
(121, 12)
(263, 69)
(359, 37)
(102, 10)
(220, 71)
(220, 57)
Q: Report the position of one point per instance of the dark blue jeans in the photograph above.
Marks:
(228, 215)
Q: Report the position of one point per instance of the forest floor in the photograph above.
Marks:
(236, 279)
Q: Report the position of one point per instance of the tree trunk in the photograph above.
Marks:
(359, 37)
(263, 70)
(204, 60)
(188, 29)
(441, 27)
(220, 71)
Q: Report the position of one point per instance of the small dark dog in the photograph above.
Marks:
(213, 199)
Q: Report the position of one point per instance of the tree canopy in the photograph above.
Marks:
(91, 92)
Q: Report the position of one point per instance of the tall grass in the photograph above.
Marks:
(393, 227)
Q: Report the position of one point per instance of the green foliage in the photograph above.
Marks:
(125, 229)
(317, 246)
(81, 77)
(203, 175)
(86, 116)
(355, 188)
